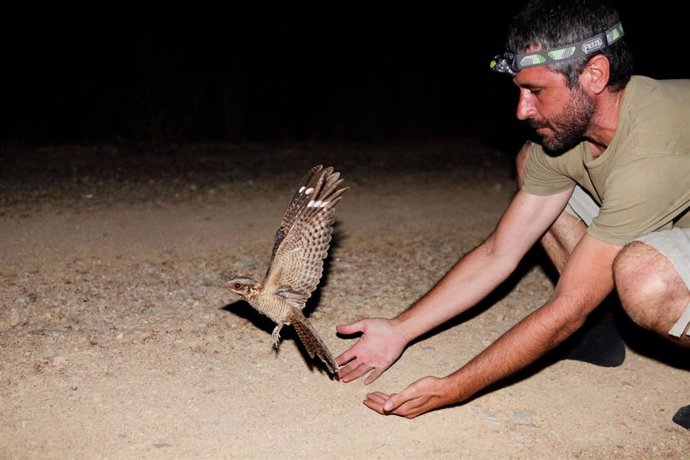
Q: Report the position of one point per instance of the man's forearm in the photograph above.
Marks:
(519, 347)
(467, 283)
(584, 284)
(485, 267)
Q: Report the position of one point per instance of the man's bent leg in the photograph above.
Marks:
(652, 277)
(653, 281)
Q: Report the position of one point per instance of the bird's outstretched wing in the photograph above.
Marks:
(303, 238)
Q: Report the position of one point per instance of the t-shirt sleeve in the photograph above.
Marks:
(544, 174)
(644, 196)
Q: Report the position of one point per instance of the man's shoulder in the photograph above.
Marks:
(647, 92)
(645, 82)
(548, 173)
(655, 116)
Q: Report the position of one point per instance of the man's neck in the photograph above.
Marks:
(603, 126)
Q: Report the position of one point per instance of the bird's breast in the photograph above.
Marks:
(271, 306)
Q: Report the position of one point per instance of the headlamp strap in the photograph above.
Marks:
(554, 55)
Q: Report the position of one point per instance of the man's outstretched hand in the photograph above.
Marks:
(422, 396)
(380, 345)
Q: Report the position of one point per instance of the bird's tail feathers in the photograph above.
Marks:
(311, 340)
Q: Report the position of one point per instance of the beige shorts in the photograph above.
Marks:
(674, 244)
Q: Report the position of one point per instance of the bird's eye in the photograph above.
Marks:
(238, 286)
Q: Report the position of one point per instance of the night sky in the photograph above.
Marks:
(346, 71)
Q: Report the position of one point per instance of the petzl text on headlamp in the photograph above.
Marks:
(511, 63)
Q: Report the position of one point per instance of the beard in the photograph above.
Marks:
(570, 125)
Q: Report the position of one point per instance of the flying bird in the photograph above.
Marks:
(294, 271)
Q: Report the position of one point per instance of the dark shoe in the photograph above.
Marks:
(598, 341)
(682, 417)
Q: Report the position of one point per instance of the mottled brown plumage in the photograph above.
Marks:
(301, 245)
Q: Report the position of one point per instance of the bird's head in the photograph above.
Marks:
(243, 285)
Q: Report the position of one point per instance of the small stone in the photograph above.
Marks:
(59, 361)
(14, 318)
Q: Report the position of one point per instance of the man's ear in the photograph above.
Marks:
(596, 74)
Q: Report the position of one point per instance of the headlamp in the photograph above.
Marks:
(511, 63)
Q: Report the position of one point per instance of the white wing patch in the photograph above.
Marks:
(317, 204)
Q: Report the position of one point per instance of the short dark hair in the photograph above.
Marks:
(556, 23)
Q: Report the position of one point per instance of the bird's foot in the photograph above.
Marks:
(276, 336)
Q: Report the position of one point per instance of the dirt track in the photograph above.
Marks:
(119, 341)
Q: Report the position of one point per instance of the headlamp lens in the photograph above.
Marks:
(504, 63)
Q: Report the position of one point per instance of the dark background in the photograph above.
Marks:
(342, 72)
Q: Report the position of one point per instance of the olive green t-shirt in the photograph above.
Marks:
(642, 180)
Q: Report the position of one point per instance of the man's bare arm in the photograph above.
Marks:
(586, 280)
(483, 269)
(468, 282)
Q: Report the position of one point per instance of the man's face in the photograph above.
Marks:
(559, 115)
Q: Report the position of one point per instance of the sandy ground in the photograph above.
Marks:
(118, 339)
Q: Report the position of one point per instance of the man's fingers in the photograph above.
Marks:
(353, 371)
(393, 402)
(349, 329)
(377, 397)
(397, 400)
(375, 401)
(376, 373)
(374, 405)
(345, 357)
(349, 354)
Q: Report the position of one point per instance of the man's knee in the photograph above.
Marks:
(643, 285)
(636, 284)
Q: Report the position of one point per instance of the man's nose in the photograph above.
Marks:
(525, 108)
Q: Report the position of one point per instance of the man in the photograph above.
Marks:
(607, 191)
